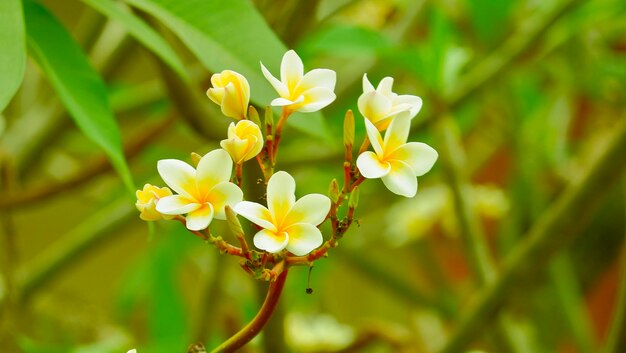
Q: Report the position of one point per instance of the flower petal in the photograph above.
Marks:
(374, 106)
(291, 70)
(280, 87)
(225, 193)
(176, 204)
(281, 190)
(371, 167)
(312, 208)
(385, 86)
(255, 213)
(414, 101)
(324, 78)
(401, 179)
(398, 132)
(236, 148)
(179, 176)
(200, 218)
(374, 136)
(419, 156)
(269, 241)
(255, 145)
(215, 167)
(367, 85)
(316, 99)
(280, 102)
(232, 102)
(303, 238)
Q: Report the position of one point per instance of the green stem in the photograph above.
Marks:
(555, 229)
(570, 297)
(255, 326)
(481, 261)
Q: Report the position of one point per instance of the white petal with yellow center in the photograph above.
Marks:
(419, 156)
(374, 106)
(316, 98)
(401, 179)
(255, 213)
(176, 204)
(291, 70)
(179, 176)
(397, 133)
(370, 166)
(303, 238)
(323, 78)
(279, 102)
(213, 168)
(222, 195)
(200, 218)
(374, 137)
(312, 208)
(269, 241)
(281, 190)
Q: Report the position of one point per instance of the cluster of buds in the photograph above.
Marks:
(287, 229)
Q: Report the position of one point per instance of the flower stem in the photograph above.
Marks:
(278, 133)
(255, 326)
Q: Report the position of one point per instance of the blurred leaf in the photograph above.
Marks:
(342, 39)
(229, 35)
(77, 84)
(141, 31)
(489, 17)
(13, 53)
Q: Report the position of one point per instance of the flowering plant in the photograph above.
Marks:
(286, 230)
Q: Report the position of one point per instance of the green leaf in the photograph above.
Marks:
(229, 35)
(141, 31)
(343, 39)
(13, 53)
(79, 87)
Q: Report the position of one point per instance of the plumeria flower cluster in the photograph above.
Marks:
(287, 229)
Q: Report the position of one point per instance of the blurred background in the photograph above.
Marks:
(514, 242)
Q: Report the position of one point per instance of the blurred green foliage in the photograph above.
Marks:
(520, 98)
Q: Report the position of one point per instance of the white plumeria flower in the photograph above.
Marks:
(203, 192)
(394, 160)
(132, 351)
(286, 223)
(379, 105)
(301, 92)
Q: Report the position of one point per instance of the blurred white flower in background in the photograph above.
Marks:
(411, 219)
(313, 333)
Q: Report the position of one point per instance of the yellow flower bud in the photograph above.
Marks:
(231, 92)
(244, 141)
(147, 200)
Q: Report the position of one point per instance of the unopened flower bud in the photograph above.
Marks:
(231, 92)
(244, 141)
(348, 129)
(195, 158)
(353, 202)
(253, 115)
(333, 191)
(233, 222)
(147, 199)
